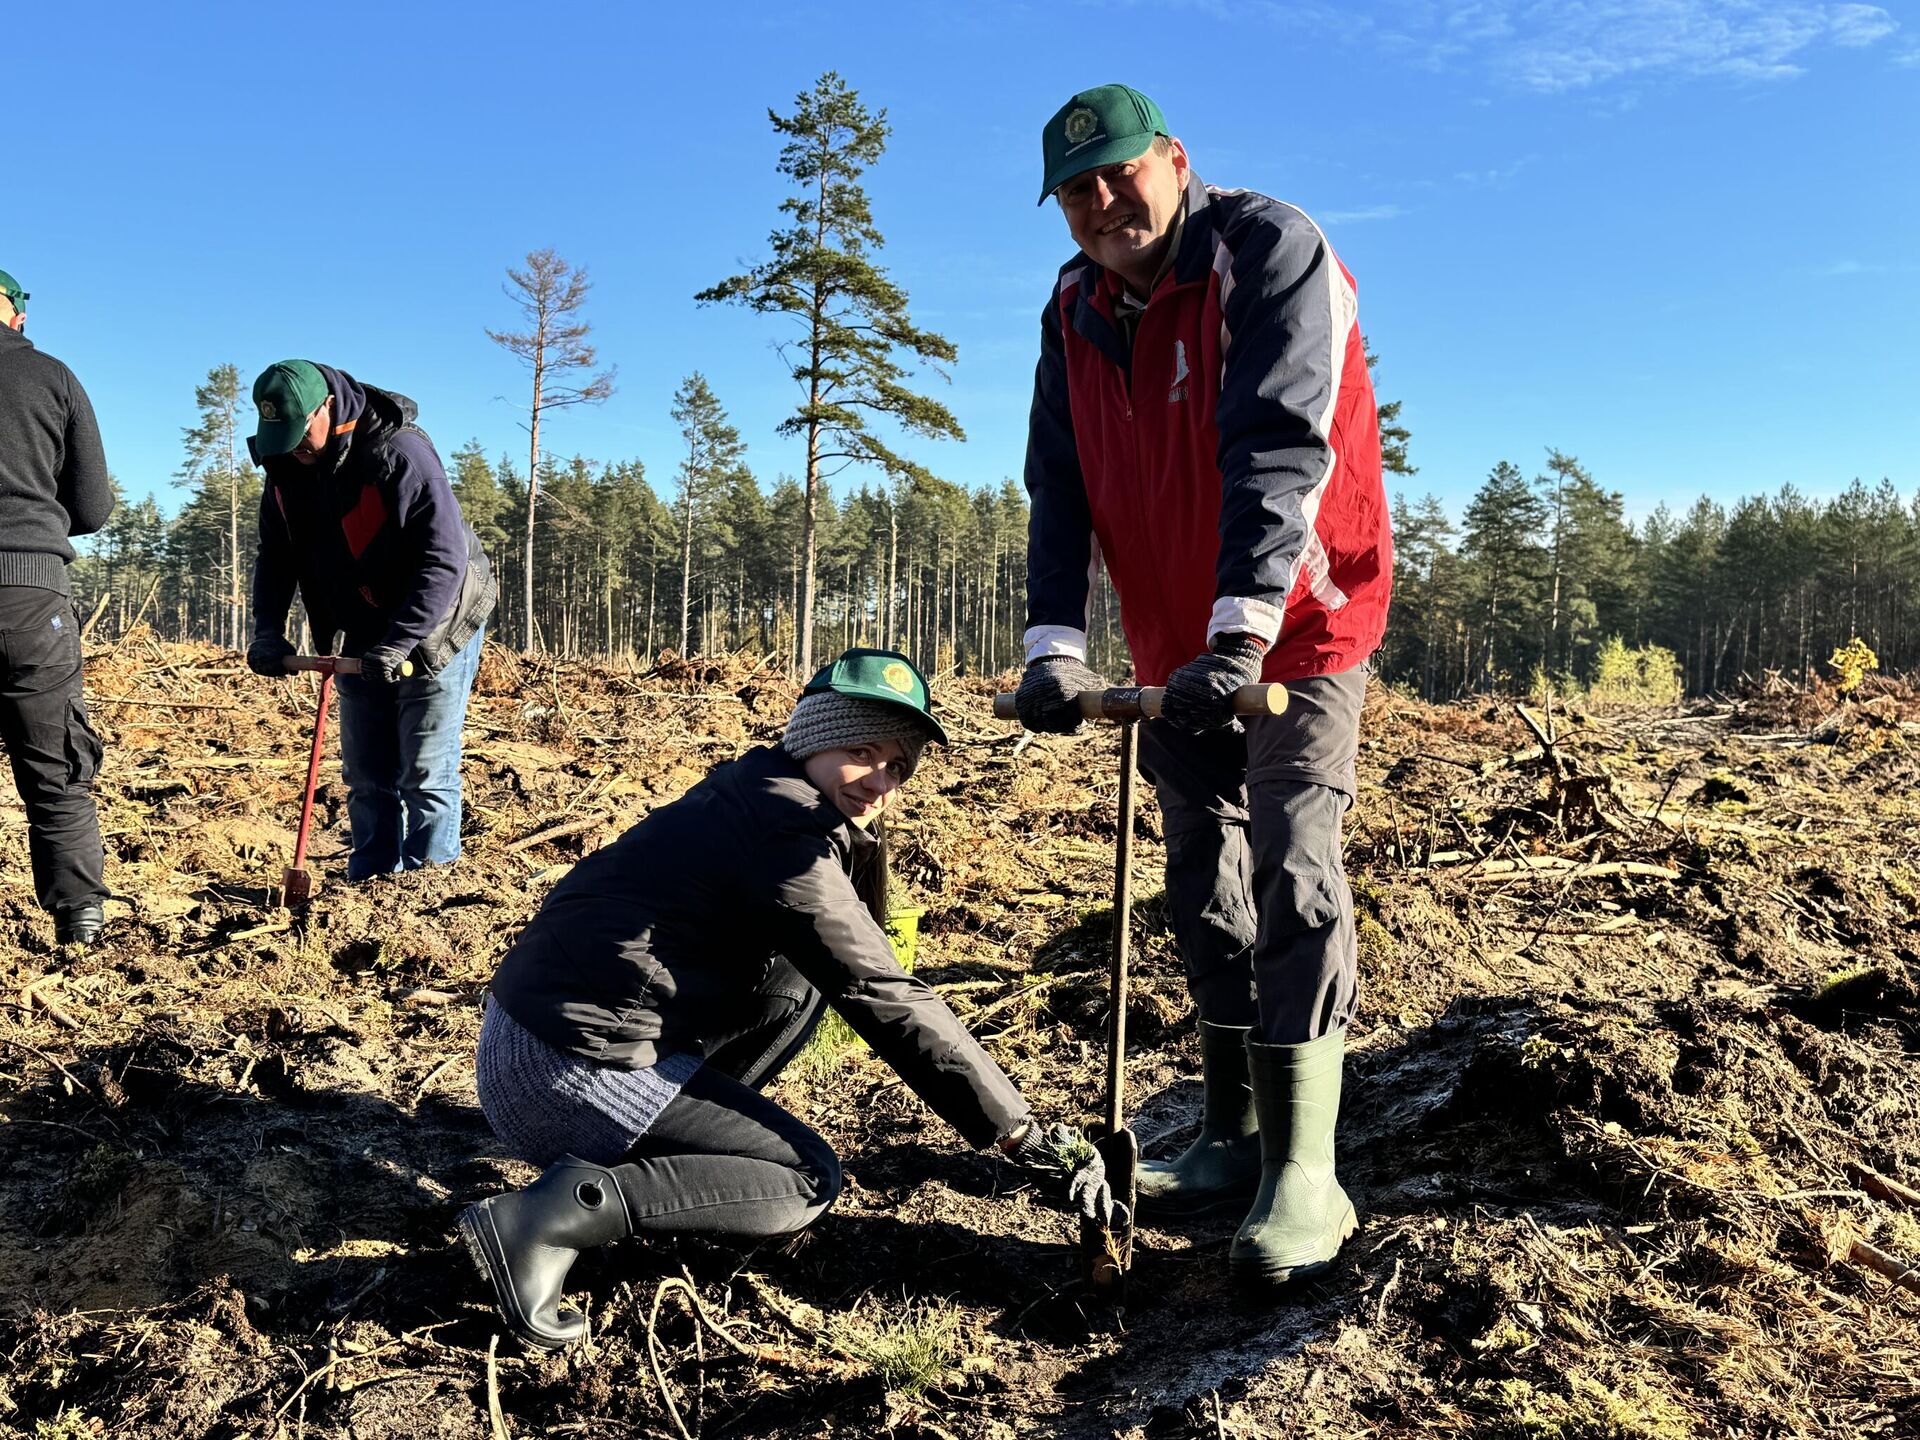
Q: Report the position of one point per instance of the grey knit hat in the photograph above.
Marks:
(828, 720)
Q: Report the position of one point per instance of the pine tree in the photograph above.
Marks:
(214, 464)
(1394, 437)
(1502, 524)
(713, 461)
(550, 294)
(852, 318)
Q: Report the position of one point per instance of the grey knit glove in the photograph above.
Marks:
(1200, 693)
(1065, 1162)
(384, 664)
(268, 654)
(1045, 697)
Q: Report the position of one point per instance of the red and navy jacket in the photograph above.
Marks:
(1225, 467)
(371, 536)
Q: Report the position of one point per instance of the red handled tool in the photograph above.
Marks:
(296, 885)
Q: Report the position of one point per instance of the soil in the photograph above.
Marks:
(1641, 1011)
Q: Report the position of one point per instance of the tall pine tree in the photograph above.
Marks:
(855, 338)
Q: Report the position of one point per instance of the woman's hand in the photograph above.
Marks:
(1064, 1160)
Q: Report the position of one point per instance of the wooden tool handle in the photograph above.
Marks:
(1131, 702)
(333, 664)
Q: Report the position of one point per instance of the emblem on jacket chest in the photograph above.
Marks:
(1177, 391)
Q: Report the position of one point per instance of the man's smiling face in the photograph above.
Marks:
(1120, 215)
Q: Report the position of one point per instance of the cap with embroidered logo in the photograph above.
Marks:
(286, 394)
(883, 675)
(1102, 126)
(16, 297)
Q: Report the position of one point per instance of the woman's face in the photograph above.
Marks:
(859, 778)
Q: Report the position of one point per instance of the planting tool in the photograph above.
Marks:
(296, 885)
(1106, 1251)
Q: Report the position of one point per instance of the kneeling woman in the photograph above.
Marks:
(671, 975)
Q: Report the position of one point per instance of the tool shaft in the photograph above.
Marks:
(1122, 932)
(313, 770)
(1133, 702)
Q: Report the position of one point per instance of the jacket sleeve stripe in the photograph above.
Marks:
(1293, 312)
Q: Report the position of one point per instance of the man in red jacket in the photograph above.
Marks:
(1203, 416)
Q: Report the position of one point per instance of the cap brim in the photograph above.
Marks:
(278, 438)
(1113, 152)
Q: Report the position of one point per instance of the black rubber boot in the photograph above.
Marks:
(79, 924)
(1300, 1214)
(1221, 1169)
(525, 1241)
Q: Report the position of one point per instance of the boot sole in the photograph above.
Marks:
(1265, 1275)
(489, 1258)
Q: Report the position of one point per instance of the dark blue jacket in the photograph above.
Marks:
(371, 536)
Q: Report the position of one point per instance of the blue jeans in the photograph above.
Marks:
(400, 748)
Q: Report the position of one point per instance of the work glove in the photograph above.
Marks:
(268, 654)
(1200, 693)
(383, 664)
(1065, 1162)
(1045, 698)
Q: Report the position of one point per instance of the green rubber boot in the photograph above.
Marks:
(1300, 1214)
(1221, 1169)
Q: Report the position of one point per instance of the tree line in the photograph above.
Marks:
(1541, 572)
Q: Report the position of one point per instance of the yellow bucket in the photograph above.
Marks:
(903, 933)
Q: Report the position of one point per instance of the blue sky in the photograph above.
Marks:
(1677, 238)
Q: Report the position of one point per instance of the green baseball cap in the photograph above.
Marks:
(883, 675)
(286, 394)
(10, 288)
(1102, 126)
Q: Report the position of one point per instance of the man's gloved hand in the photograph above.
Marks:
(1063, 1159)
(1045, 697)
(383, 664)
(268, 654)
(1200, 693)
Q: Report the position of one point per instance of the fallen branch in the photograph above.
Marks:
(34, 993)
(555, 832)
(1489, 870)
(1898, 1271)
(1882, 1187)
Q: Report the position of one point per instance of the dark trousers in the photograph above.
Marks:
(1256, 888)
(721, 1158)
(54, 750)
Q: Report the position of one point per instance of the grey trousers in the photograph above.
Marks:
(1258, 895)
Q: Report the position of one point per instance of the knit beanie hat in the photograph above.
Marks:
(828, 720)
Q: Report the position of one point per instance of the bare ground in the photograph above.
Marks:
(1635, 1070)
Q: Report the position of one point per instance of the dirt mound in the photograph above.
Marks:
(1631, 1105)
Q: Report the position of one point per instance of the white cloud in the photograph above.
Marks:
(1586, 43)
(1494, 177)
(1368, 212)
(1554, 46)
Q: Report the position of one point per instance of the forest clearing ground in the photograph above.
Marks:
(1641, 1010)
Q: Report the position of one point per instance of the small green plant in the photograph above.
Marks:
(1852, 663)
(1589, 1411)
(99, 1178)
(1539, 1053)
(825, 1052)
(909, 1351)
(1855, 985)
(1634, 675)
(69, 1424)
